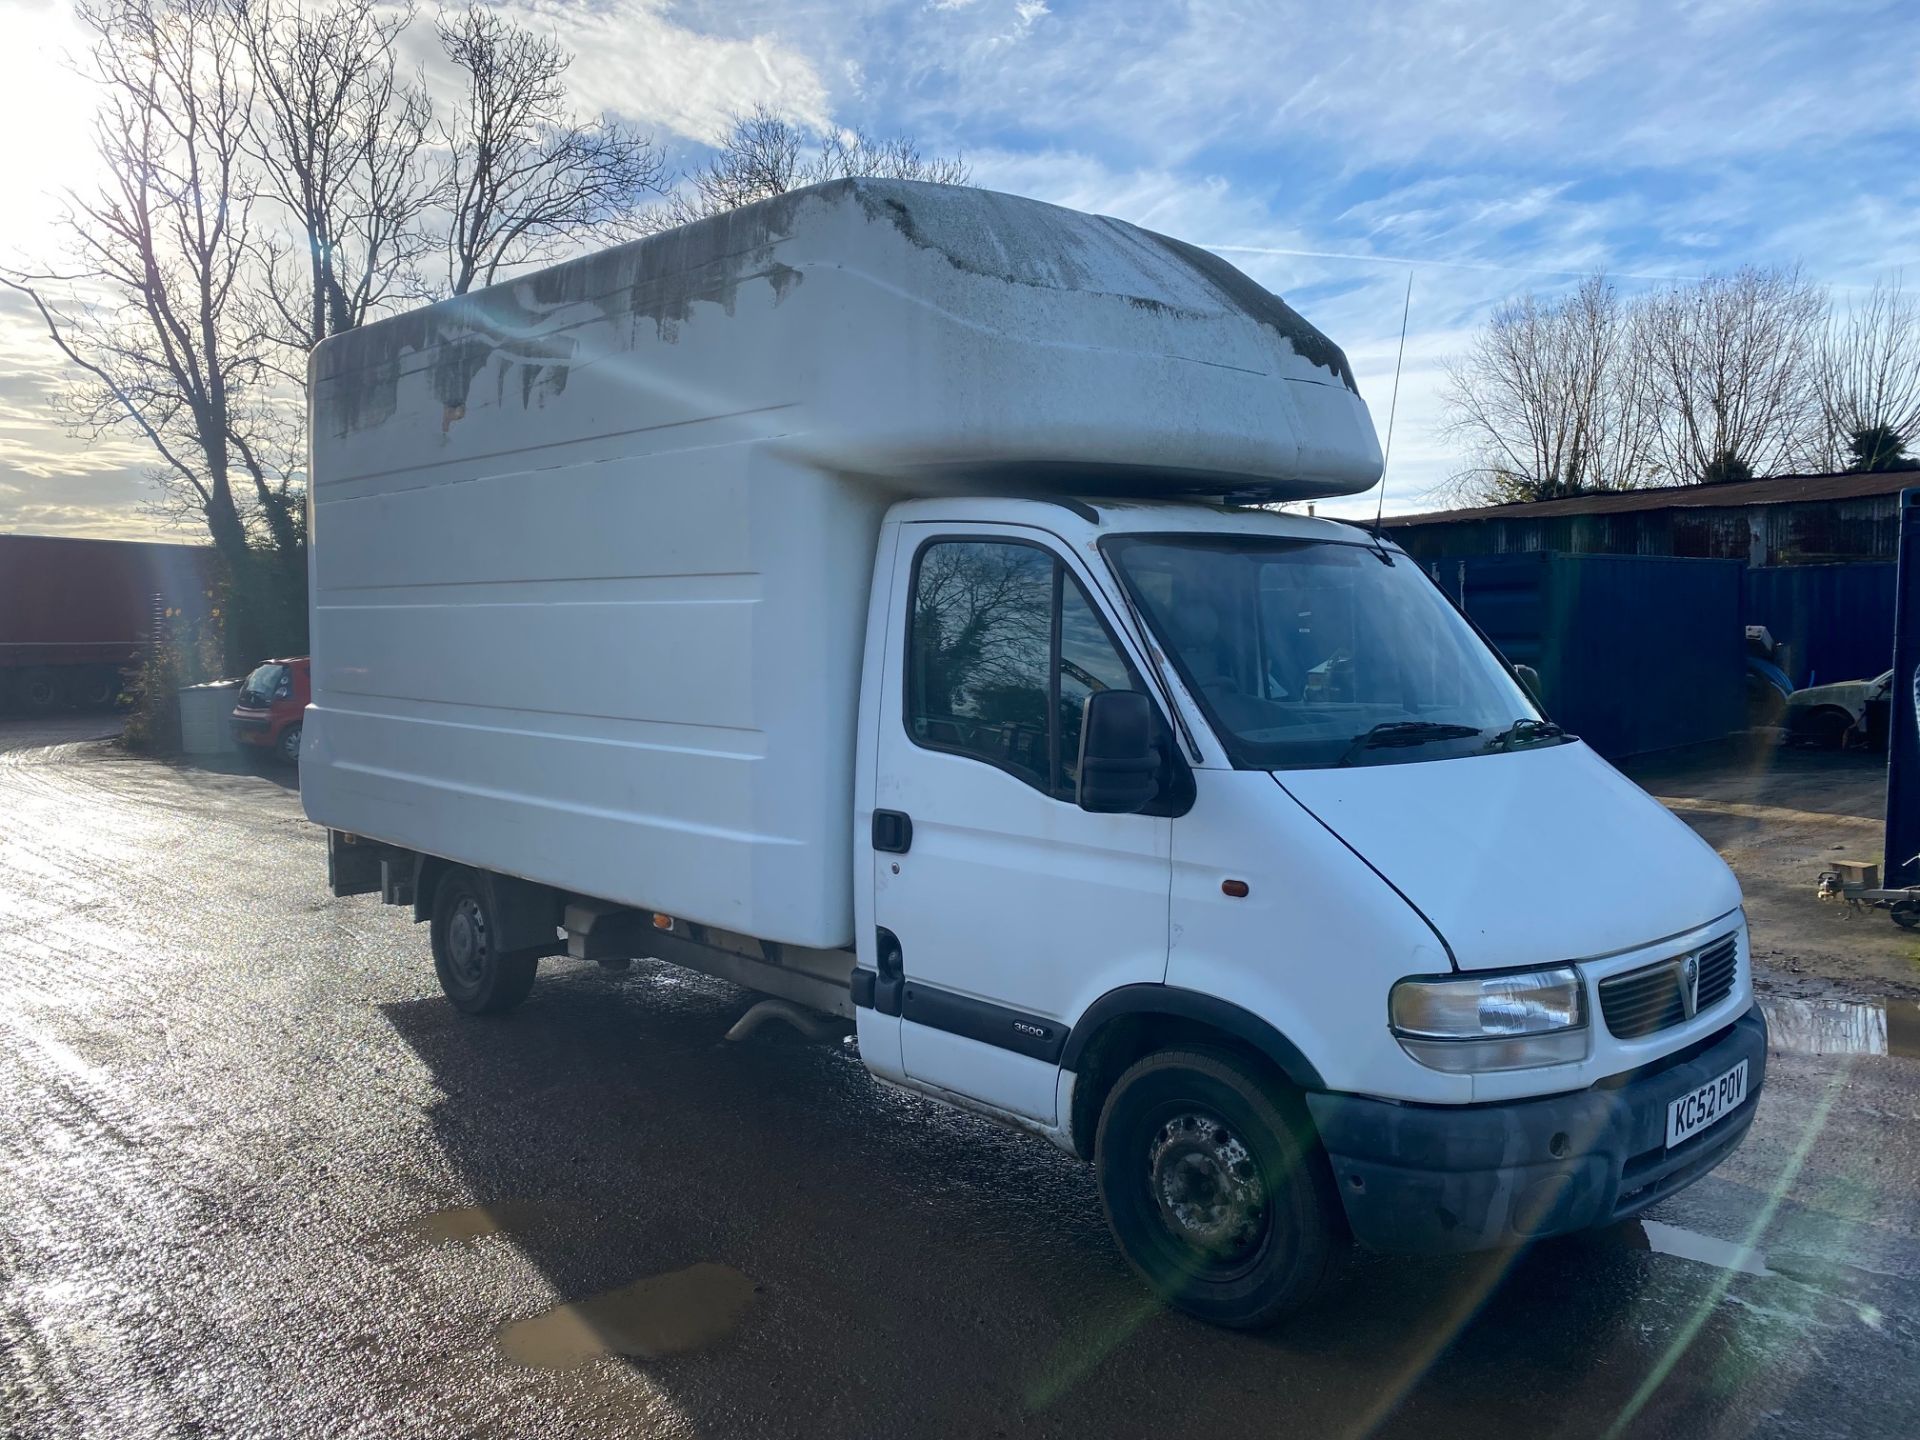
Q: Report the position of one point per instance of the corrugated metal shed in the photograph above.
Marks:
(1636, 654)
(1783, 520)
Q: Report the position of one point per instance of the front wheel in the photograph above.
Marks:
(1215, 1189)
(1829, 729)
(289, 745)
(473, 972)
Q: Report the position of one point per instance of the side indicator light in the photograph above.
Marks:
(662, 922)
(1235, 888)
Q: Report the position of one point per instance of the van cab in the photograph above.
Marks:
(1487, 965)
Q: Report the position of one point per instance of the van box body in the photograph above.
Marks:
(592, 550)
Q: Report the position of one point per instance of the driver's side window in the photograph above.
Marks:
(1003, 649)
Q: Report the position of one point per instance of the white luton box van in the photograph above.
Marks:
(872, 596)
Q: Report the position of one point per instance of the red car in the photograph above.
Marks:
(272, 700)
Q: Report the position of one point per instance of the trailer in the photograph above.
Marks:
(1855, 886)
(76, 614)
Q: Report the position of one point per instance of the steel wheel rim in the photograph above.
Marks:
(467, 947)
(1206, 1189)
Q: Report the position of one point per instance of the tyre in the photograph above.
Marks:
(475, 975)
(95, 688)
(1215, 1189)
(1829, 728)
(287, 747)
(1906, 914)
(38, 691)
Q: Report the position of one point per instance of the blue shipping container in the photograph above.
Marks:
(1836, 620)
(1636, 653)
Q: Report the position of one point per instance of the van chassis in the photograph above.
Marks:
(538, 920)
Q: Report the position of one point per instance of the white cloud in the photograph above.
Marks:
(52, 482)
(1029, 13)
(633, 59)
(1450, 79)
(45, 114)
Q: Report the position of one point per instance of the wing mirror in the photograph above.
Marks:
(1530, 682)
(1119, 755)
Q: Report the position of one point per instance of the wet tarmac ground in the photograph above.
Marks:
(258, 1179)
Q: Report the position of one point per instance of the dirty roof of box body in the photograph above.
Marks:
(889, 328)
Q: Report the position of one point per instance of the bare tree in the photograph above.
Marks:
(525, 178)
(1868, 381)
(1728, 364)
(338, 136)
(763, 154)
(148, 309)
(849, 153)
(1545, 401)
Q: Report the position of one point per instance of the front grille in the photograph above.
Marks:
(1642, 1002)
(1719, 963)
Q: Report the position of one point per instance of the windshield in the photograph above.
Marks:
(1311, 653)
(262, 684)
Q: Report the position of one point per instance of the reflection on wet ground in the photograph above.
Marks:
(662, 1315)
(227, 1094)
(1707, 1249)
(1843, 1027)
(470, 1222)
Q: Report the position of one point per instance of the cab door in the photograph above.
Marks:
(1009, 908)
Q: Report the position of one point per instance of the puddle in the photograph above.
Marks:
(661, 1315)
(470, 1222)
(1843, 1027)
(1691, 1245)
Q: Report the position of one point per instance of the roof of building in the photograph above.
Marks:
(1773, 490)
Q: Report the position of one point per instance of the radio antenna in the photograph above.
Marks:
(1393, 406)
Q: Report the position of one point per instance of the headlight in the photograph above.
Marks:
(1465, 1023)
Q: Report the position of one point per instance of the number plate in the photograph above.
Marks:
(1710, 1104)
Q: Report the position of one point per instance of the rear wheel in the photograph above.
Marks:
(1215, 1189)
(473, 972)
(95, 688)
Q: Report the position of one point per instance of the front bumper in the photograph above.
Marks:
(1428, 1179)
(252, 728)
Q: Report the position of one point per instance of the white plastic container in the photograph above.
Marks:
(206, 713)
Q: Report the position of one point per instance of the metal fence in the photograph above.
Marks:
(1636, 653)
(1835, 620)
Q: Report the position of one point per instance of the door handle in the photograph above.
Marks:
(892, 831)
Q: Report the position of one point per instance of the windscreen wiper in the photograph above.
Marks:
(1525, 731)
(1404, 732)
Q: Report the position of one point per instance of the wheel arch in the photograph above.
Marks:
(427, 871)
(527, 914)
(1133, 1021)
(1815, 719)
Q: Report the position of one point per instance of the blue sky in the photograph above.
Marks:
(1328, 149)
